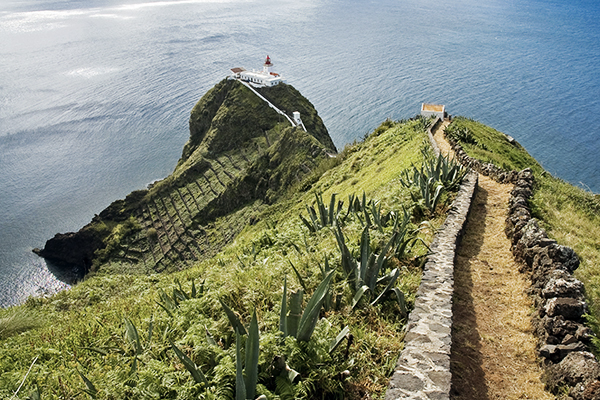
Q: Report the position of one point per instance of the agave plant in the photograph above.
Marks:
(368, 212)
(444, 170)
(170, 303)
(440, 170)
(463, 135)
(296, 323)
(322, 216)
(428, 194)
(405, 236)
(134, 340)
(190, 366)
(363, 273)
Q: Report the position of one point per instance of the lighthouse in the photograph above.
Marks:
(263, 78)
(267, 66)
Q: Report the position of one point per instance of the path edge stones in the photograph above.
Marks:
(423, 369)
(559, 298)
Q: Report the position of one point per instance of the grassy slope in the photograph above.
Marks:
(241, 155)
(569, 214)
(83, 329)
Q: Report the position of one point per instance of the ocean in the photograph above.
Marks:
(95, 95)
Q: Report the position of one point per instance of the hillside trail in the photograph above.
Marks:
(493, 346)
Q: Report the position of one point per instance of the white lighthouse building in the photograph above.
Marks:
(266, 77)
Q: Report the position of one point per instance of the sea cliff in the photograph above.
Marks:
(314, 262)
(241, 155)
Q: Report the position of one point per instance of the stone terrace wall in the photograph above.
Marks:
(496, 173)
(434, 145)
(423, 369)
(558, 297)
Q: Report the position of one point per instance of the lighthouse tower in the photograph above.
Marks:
(267, 66)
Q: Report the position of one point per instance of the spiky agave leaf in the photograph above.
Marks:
(189, 365)
(283, 311)
(298, 275)
(132, 336)
(252, 350)
(90, 388)
(392, 277)
(401, 301)
(235, 322)
(348, 262)
(293, 318)
(310, 316)
(359, 295)
(338, 339)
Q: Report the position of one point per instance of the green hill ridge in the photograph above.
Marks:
(261, 230)
(241, 156)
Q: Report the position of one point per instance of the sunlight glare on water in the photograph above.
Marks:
(95, 95)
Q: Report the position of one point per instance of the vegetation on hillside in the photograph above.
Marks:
(241, 156)
(570, 214)
(283, 311)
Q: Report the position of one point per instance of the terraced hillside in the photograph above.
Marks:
(241, 156)
(296, 291)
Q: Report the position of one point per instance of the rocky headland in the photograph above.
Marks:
(241, 156)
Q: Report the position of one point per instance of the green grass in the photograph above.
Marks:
(15, 321)
(240, 154)
(82, 330)
(570, 214)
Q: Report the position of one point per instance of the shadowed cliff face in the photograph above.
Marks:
(241, 156)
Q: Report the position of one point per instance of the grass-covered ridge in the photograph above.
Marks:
(117, 336)
(570, 215)
(241, 156)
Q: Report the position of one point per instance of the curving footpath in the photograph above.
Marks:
(470, 334)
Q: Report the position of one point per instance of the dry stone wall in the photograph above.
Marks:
(558, 297)
(423, 369)
(488, 169)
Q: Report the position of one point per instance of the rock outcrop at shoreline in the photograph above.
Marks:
(73, 249)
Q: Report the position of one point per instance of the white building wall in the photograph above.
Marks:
(260, 78)
(427, 113)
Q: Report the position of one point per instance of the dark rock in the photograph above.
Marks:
(525, 175)
(569, 339)
(522, 192)
(558, 327)
(531, 235)
(566, 349)
(549, 351)
(564, 255)
(73, 249)
(552, 340)
(567, 307)
(575, 368)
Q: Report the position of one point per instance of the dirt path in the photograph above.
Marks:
(493, 347)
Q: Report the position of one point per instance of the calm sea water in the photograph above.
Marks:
(95, 95)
